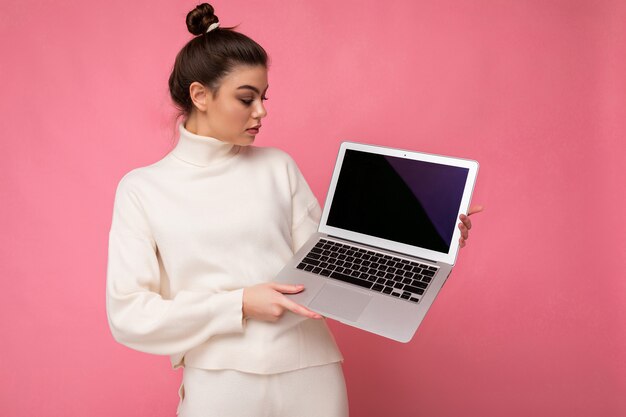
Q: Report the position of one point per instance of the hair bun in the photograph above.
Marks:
(199, 19)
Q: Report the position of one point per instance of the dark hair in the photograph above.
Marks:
(209, 57)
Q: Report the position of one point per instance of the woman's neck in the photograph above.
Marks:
(194, 125)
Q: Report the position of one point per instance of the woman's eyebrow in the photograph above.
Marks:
(250, 87)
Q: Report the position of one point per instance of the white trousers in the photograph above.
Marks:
(309, 392)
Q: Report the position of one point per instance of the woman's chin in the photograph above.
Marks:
(246, 140)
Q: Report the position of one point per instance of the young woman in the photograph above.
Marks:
(197, 237)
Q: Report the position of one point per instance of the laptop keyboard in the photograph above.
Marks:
(378, 272)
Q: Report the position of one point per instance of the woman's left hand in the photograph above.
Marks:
(466, 223)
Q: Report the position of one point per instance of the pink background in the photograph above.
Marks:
(532, 321)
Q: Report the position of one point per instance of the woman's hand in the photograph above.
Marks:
(466, 223)
(266, 302)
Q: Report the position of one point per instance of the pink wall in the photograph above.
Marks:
(533, 320)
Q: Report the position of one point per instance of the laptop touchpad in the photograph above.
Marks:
(340, 302)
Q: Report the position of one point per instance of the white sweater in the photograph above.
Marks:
(188, 234)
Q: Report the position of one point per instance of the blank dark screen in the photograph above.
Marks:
(399, 199)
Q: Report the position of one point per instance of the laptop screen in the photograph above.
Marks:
(404, 200)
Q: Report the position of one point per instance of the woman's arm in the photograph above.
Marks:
(139, 316)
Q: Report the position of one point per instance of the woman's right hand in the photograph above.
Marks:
(266, 302)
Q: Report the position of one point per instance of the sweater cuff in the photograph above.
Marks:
(230, 305)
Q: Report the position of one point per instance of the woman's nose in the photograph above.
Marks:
(259, 111)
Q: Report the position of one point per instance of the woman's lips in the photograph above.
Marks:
(253, 130)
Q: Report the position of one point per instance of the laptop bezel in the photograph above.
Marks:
(450, 256)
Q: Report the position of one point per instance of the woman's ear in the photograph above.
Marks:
(199, 96)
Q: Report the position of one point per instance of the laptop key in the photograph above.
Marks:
(419, 284)
(415, 300)
(413, 289)
(301, 265)
(378, 287)
(406, 295)
(387, 290)
(310, 261)
(428, 273)
(350, 280)
(325, 272)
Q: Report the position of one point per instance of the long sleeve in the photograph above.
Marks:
(139, 316)
(306, 211)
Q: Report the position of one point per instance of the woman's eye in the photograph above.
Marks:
(264, 98)
(247, 102)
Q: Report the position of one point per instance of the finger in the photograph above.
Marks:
(299, 309)
(475, 209)
(463, 230)
(287, 288)
(462, 242)
(466, 221)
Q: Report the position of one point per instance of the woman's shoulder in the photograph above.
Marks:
(270, 154)
(140, 175)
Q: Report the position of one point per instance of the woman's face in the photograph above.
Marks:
(234, 114)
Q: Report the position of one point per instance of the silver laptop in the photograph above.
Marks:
(387, 239)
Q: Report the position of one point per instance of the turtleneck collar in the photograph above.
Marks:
(202, 150)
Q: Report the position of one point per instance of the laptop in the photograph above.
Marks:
(387, 240)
